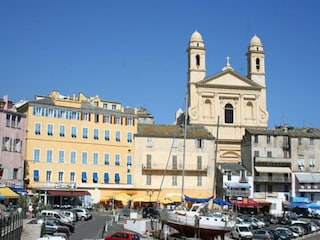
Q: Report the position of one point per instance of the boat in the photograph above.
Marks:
(198, 221)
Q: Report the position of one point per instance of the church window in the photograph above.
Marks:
(257, 63)
(228, 113)
(198, 60)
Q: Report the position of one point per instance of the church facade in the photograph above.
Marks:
(227, 102)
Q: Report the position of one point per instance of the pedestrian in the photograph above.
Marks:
(30, 209)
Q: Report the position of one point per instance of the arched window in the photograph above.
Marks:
(257, 63)
(228, 113)
(198, 60)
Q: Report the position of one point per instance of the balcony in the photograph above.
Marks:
(274, 161)
(274, 179)
(174, 172)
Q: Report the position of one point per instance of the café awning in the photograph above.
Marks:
(68, 193)
(308, 177)
(246, 203)
(8, 193)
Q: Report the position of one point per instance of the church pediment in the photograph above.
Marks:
(228, 79)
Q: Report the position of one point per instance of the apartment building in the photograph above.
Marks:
(171, 161)
(12, 135)
(285, 163)
(78, 148)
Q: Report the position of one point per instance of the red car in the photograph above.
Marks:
(123, 235)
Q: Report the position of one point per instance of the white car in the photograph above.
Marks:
(83, 214)
(242, 231)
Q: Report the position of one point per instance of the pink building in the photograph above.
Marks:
(12, 139)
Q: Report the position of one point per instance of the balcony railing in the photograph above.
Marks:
(174, 171)
(279, 179)
(285, 162)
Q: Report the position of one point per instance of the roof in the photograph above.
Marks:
(233, 167)
(170, 131)
(293, 132)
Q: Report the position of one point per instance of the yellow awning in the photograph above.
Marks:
(8, 193)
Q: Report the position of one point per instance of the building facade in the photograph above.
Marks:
(12, 137)
(284, 163)
(170, 162)
(78, 146)
(227, 102)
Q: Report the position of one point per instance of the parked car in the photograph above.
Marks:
(256, 223)
(60, 223)
(123, 235)
(51, 227)
(70, 214)
(263, 234)
(285, 233)
(288, 231)
(303, 224)
(276, 235)
(242, 231)
(55, 214)
(83, 214)
(297, 229)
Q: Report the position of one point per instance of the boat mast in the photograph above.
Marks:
(215, 161)
(184, 146)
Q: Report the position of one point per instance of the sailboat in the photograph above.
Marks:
(198, 221)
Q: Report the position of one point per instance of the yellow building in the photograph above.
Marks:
(78, 146)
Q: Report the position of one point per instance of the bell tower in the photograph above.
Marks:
(256, 61)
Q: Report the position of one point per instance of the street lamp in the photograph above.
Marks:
(149, 193)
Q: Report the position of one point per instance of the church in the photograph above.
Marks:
(227, 102)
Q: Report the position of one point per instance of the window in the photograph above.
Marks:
(73, 132)
(257, 187)
(49, 155)
(36, 175)
(257, 63)
(95, 177)
(299, 141)
(117, 178)
(36, 155)
(84, 177)
(269, 154)
(129, 161)
(60, 176)
(311, 141)
(311, 162)
(95, 158)
(256, 139)
(106, 177)
(96, 118)
(117, 159)
(15, 173)
(199, 143)
(73, 157)
(85, 133)
(84, 158)
(106, 159)
(129, 178)
(129, 137)
(62, 130)
(149, 142)
(48, 175)
(174, 162)
(86, 116)
(148, 161)
(174, 180)
(229, 175)
(17, 145)
(197, 60)
(37, 128)
(50, 129)
(106, 135)
(301, 162)
(95, 134)
(6, 145)
(117, 136)
(107, 119)
(256, 153)
(228, 113)
(199, 180)
(130, 121)
(199, 162)
(72, 176)
(118, 120)
(270, 189)
(61, 156)
(148, 180)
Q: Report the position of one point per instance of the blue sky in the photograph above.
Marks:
(134, 51)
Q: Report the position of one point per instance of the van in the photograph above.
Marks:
(242, 231)
(55, 214)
